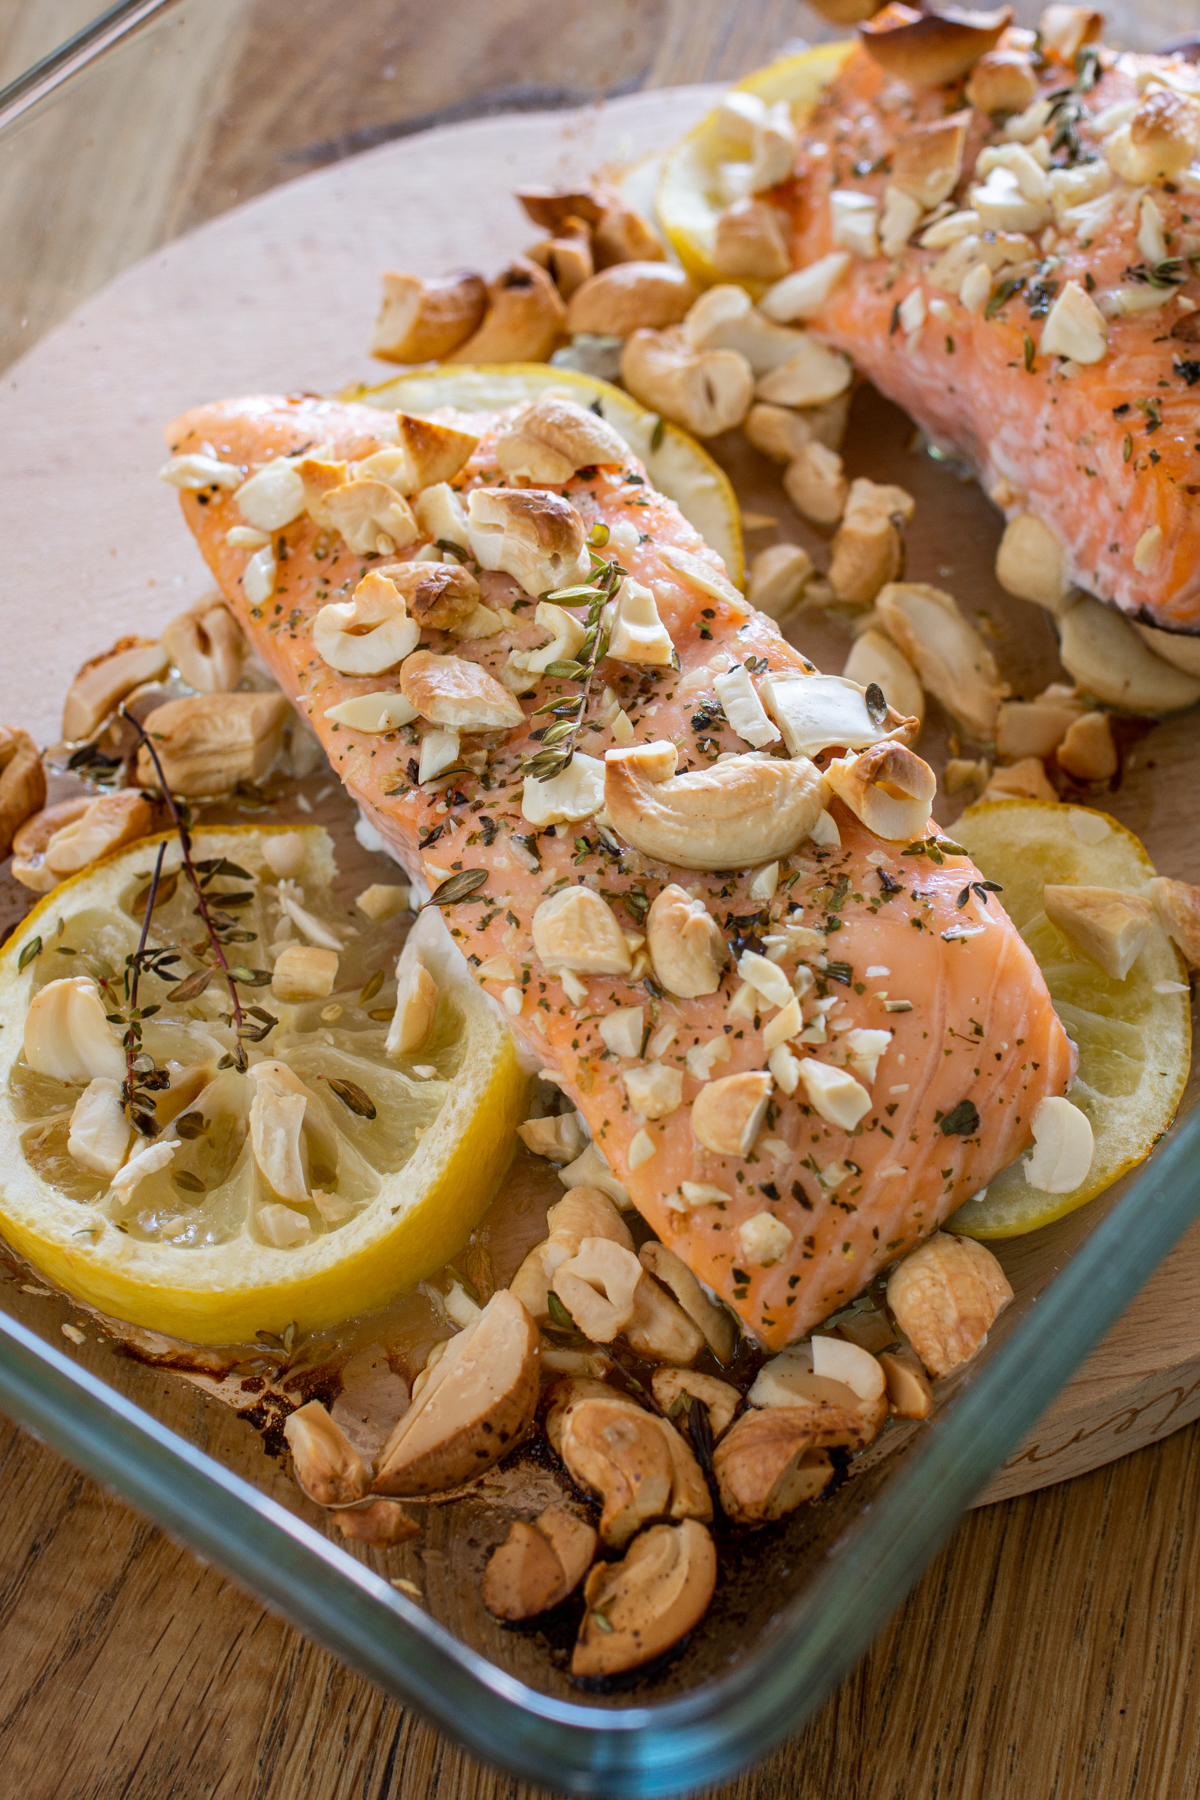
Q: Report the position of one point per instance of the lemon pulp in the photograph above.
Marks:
(691, 189)
(403, 1153)
(1134, 1043)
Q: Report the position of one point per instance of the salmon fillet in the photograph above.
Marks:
(1104, 453)
(969, 1058)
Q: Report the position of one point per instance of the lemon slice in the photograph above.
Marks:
(676, 464)
(1134, 1042)
(699, 178)
(400, 1154)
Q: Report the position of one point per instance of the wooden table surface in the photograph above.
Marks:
(1050, 1651)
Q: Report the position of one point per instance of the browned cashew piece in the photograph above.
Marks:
(383, 1523)
(477, 1403)
(716, 1322)
(930, 49)
(567, 257)
(909, 1393)
(705, 391)
(731, 815)
(206, 646)
(30, 842)
(552, 207)
(1002, 81)
(889, 787)
(103, 683)
(648, 1602)
(457, 693)
(422, 321)
(686, 944)
(660, 1330)
(597, 1286)
(770, 1462)
(436, 594)
(327, 1465)
(946, 1295)
(524, 320)
(571, 1391)
(22, 783)
(108, 823)
(538, 1565)
(554, 437)
(672, 1387)
(623, 235)
(750, 244)
(1177, 904)
(631, 296)
(207, 743)
(638, 1464)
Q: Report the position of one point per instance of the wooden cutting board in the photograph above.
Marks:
(278, 296)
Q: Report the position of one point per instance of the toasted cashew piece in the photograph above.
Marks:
(660, 1330)
(715, 1322)
(728, 1113)
(750, 243)
(458, 694)
(103, 683)
(107, 823)
(369, 633)
(732, 815)
(888, 787)
(685, 943)
(930, 49)
(720, 1397)
(524, 320)
(327, 1465)
(705, 391)
(768, 1463)
(576, 929)
(531, 534)
(631, 296)
(422, 321)
(1107, 658)
(875, 658)
(946, 1295)
(648, 1602)
(22, 784)
(554, 437)
(1177, 904)
(623, 1454)
(954, 663)
(206, 646)
(597, 1287)
(207, 743)
(538, 1565)
(1109, 926)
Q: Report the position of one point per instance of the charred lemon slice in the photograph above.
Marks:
(675, 463)
(296, 1172)
(1133, 1036)
(698, 175)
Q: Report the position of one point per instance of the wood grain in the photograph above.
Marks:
(1051, 1649)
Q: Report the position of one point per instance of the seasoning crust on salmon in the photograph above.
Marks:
(799, 1044)
(1026, 286)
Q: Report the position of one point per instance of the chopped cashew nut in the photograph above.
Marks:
(478, 1402)
(909, 1393)
(576, 793)
(23, 796)
(778, 576)
(559, 1137)
(749, 243)
(382, 900)
(744, 709)
(888, 787)
(538, 1565)
(1177, 904)
(327, 1465)
(705, 391)
(728, 1113)
(715, 1322)
(576, 929)
(636, 632)
(206, 647)
(654, 1090)
(816, 485)
(207, 743)
(672, 1386)
(824, 712)
(949, 655)
(99, 1133)
(1104, 653)
(597, 1286)
(768, 1463)
(422, 321)
(764, 1240)
(101, 685)
(874, 658)
(416, 1007)
(1023, 780)
(730, 815)
(802, 294)
(1075, 327)
(68, 1036)
(535, 536)
(945, 1296)
(368, 633)
(373, 712)
(554, 437)
(1109, 926)
(303, 972)
(630, 297)
(524, 320)
(458, 694)
(811, 376)
(1063, 1147)
(648, 1602)
(685, 942)
(834, 1093)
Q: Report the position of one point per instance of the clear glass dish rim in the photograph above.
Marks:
(724, 1724)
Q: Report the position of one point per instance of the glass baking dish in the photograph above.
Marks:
(157, 120)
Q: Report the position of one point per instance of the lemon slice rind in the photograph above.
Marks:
(1129, 1037)
(225, 1293)
(677, 465)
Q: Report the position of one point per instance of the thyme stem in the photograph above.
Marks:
(185, 845)
(132, 1042)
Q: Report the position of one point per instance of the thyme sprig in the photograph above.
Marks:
(569, 711)
(221, 929)
(143, 1079)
